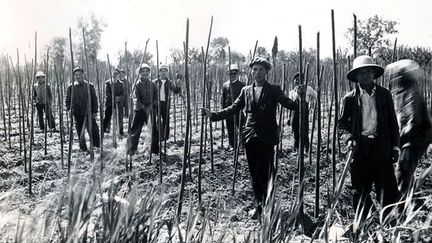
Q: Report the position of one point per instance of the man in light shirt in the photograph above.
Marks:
(166, 86)
(369, 126)
(310, 97)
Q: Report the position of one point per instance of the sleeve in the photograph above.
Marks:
(282, 99)
(50, 97)
(312, 94)
(344, 122)
(68, 98)
(223, 96)
(34, 94)
(108, 94)
(238, 104)
(137, 96)
(393, 124)
(413, 109)
(94, 99)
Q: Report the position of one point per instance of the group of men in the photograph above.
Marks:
(81, 100)
(374, 127)
(368, 124)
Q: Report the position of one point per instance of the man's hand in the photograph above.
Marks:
(206, 112)
(301, 89)
(352, 144)
(395, 155)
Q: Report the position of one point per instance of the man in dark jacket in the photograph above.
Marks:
(230, 91)
(145, 107)
(414, 123)
(83, 108)
(119, 94)
(42, 97)
(165, 87)
(368, 124)
(260, 132)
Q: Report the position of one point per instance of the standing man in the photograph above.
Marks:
(84, 110)
(146, 105)
(230, 91)
(119, 94)
(414, 123)
(42, 97)
(368, 125)
(166, 86)
(259, 135)
(127, 89)
(311, 96)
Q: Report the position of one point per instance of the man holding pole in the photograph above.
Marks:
(146, 104)
(259, 134)
(119, 93)
(42, 97)
(78, 105)
(166, 86)
(369, 126)
(230, 91)
(310, 97)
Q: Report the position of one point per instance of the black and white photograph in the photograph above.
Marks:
(201, 121)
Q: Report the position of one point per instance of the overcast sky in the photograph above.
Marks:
(242, 22)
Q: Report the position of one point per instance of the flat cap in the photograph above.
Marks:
(261, 61)
(78, 68)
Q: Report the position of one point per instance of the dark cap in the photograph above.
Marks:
(78, 68)
(261, 61)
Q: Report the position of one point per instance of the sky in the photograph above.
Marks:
(242, 22)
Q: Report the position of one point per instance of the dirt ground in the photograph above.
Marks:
(50, 179)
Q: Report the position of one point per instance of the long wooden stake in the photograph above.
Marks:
(60, 98)
(318, 151)
(335, 84)
(202, 116)
(71, 106)
(32, 124)
(188, 123)
(302, 117)
(89, 115)
(159, 83)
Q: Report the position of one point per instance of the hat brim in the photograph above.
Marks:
(378, 70)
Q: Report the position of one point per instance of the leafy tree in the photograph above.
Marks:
(372, 34)
(93, 29)
(237, 57)
(218, 52)
(58, 50)
(262, 52)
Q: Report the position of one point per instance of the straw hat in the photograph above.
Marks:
(40, 74)
(78, 68)
(163, 67)
(364, 62)
(233, 67)
(144, 65)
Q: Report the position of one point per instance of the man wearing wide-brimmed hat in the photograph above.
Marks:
(260, 132)
(42, 97)
(230, 91)
(145, 107)
(369, 126)
(413, 117)
(83, 108)
(165, 87)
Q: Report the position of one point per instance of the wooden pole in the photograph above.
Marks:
(318, 151)
(188, 123)
(202, 116)
(336, 102)
(71, 106)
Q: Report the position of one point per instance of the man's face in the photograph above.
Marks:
(144, 73)
(365, 75)
(233, 75)
(115, 75)
(259, 72)
(40, 79)
(78, 76)
(163, 73)
(122, 75)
